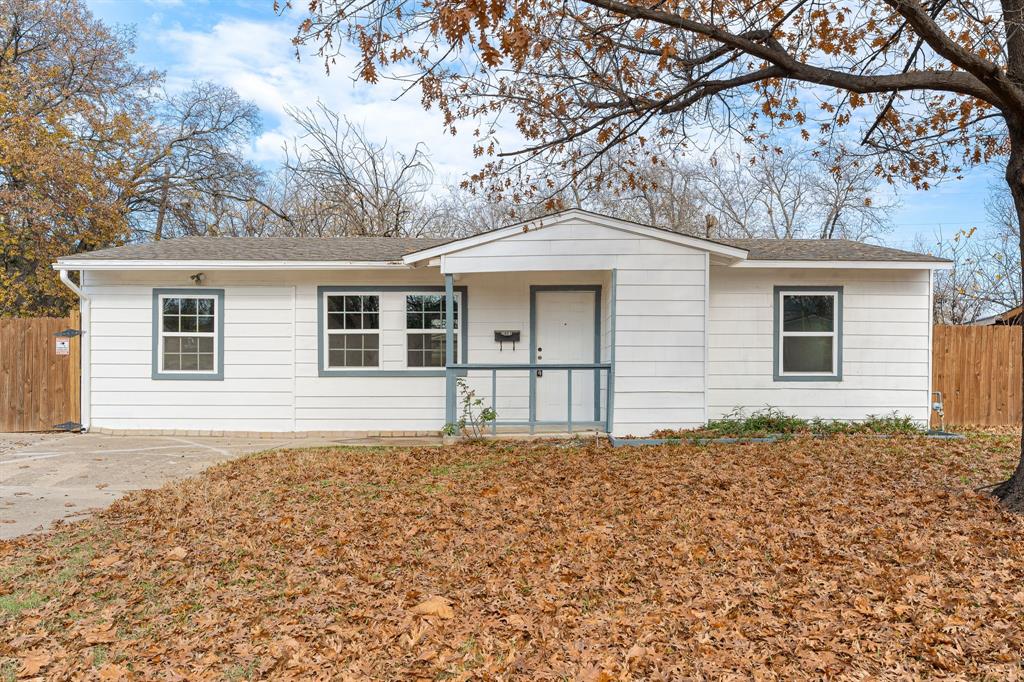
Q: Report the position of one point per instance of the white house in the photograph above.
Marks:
(576, 321)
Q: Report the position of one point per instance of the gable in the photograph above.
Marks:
(576, 232)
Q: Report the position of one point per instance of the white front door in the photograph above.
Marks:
(564, 335)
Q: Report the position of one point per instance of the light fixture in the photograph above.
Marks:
(197, 278)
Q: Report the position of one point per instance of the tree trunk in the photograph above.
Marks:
(165, 189)
(1011, 491)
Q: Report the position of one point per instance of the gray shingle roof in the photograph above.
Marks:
(824, 249)
(267, 248)
(394, 248)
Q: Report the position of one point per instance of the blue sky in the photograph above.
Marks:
(243, 44)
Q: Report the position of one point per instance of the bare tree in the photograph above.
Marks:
(785, 192)
(339, 182)
(194, 178)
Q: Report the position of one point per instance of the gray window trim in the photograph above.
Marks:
(158, 375)
(777, 328)
(322, 291)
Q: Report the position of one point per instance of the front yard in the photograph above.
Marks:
(854, 557)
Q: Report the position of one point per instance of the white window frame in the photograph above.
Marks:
(456, 331)
(215, 334)
(834, 334)
(327, 332)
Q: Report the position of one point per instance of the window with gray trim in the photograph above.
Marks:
(188, 334)
(425, 330)
(808, 328)
(352, 330)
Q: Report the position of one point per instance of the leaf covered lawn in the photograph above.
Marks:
(850, 558)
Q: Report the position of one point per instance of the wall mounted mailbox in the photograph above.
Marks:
(503, 336)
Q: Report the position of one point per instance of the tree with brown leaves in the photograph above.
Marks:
(929, 87)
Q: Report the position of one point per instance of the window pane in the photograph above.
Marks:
(416, 341)
(371, 321)
(171, 323)
(204, 306)
(807, 354)
(206, 323)
(353, 321)
(172, 344)
(189, 362)
(434, 321)
(370, 358)
(413, 321)
(808, 313)
(370, 341)
(189, 344)
(206, 362)
(370, 304)
(353, 303)
(206, 344)
(172, 306)
(335, 320)
(172, 361)
(335, 304)
(189, 324)
(188, 306)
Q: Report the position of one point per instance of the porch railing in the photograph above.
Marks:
(598, 368)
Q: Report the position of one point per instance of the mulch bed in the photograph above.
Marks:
(850, 558)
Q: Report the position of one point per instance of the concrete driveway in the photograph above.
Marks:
(45, 477)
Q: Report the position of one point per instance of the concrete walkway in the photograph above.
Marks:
(45, 477)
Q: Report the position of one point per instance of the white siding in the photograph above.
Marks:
(660, 310)
(886, 323)
(679, 356)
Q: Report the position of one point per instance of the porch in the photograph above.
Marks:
(552, 375)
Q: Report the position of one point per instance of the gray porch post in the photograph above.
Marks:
(449, 348)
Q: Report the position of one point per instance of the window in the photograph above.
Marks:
(425, 330)
(808, 343)
(352, 330)
(188, 335)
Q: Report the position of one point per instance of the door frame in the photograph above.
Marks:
(534, 289)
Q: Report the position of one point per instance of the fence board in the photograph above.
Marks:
(978, 370)
(38, 388)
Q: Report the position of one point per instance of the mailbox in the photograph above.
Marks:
(503, 336)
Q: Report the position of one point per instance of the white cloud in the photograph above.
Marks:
(257, 59)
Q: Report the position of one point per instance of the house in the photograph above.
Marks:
(1012, 317)
(575, 321)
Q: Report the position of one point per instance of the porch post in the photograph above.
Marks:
(449, 348)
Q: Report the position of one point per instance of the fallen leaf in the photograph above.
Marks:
(177, 554)
(106, 561)
(434, 606)
(33, 663)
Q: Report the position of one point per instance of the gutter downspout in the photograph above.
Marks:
(85, 373)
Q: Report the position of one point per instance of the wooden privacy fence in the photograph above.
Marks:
(39, 388)
(978, 370)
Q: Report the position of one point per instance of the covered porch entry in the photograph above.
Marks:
(538, 349)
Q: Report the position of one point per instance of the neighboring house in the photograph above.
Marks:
(1013, 316)
(657, 329)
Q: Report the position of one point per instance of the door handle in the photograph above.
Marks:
(540, 372)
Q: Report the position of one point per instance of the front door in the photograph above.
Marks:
(564, 335)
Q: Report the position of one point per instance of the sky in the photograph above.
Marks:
(245, 45)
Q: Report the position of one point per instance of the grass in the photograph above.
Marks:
(845, 558)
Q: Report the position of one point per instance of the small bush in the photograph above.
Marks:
(773, 421)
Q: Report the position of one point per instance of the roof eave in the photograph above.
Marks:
(127, 264)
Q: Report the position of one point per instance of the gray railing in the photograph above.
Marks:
(598, 368)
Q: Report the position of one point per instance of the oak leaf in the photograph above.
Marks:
(434, 606)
